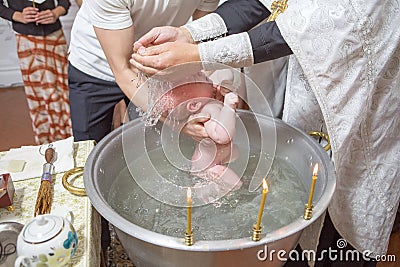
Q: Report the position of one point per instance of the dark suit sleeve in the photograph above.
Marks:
(267, 43)
(266, 39)
(242, 15)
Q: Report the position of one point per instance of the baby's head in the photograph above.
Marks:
(186, 99)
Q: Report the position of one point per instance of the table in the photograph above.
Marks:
(86, 219)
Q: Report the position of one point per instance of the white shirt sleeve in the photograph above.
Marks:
(110, 14)
(208, 5)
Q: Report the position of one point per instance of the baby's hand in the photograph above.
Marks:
(231, 100)
(219, 77)
(223, 80)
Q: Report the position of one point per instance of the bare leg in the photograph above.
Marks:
(224, 177)
(208, 154)
(221, 180)
(204, 156)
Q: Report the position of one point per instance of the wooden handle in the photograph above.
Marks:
(49, 155)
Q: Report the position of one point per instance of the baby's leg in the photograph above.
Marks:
(204, 155)
(228, 154)
(221, 180)
(224, 177)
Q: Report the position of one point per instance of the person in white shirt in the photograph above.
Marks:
(94, 91)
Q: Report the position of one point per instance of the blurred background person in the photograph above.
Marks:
(42, 54)
(100, 75)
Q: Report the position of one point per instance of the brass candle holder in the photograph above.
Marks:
(309, 207)
(256, 228)
(189, 233)
(189, 238)
(256, 232)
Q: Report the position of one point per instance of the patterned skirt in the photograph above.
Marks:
(44, 65)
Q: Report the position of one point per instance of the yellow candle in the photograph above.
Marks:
(314, 179)
(33, 4)
(189, 210)
(264, 196)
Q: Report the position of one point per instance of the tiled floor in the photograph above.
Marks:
(15, 130)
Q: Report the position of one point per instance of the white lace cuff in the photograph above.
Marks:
(234, 50)
(207, 28)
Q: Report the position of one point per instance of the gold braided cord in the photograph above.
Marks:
(322, 135)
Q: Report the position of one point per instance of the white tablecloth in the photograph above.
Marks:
(86, 219)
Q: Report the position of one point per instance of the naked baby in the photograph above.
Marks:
(211, 154)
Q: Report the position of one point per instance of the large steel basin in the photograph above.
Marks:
(147, 248)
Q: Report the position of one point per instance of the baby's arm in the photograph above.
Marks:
(221, 126)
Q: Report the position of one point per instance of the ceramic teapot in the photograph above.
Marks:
(47, 240)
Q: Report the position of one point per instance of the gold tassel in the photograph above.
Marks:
(44, 197)
(43, 201)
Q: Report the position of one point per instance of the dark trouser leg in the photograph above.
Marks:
(92, 102)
